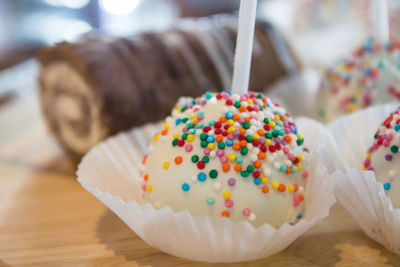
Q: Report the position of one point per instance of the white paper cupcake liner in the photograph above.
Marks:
(111, 172)
(358, 191)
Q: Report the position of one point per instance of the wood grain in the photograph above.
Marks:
(47, 219)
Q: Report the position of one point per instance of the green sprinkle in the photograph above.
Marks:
(275, 133)
(246, 125)
(203, 144)
(266, 120)
(205, 159)
(250, 168)
(184, 136)
(213, 174)
(249, 139)
(183, 109)
(221, 145)
(244, 151)
(210, 201)
(203, 136)
(268, 135)
(184, 120)
(237, 104)
(195, 158)
(394, 149)
(244, 174)
(300, 141)
(175, 142)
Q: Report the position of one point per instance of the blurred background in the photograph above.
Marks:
(320, 31)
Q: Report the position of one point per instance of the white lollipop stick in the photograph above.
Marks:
(244, 46)
(380, 20)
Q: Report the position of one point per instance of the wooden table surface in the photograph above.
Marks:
(48, 219)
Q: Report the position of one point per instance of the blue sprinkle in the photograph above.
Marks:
(229, 143)
(386, 186)
(200, 113)
(201, 176)
(239, 159)
(210, 139)
(200, 126)
(211, 123)
(192, 131)
(294, 169)
(295, 130)
(185, 187)
(208, 95)
(257, 181)
(283, 168)
(299, 216)
(397, 127)
(178, 121)
(229, 92)
(229, 115)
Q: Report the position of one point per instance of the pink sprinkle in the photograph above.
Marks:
(253, 117)
(188, 147)
(225, 96)
(305, 174)
(144, 187)
(230, 136)
(246, 212)
(296, 201)
(290, 156)
(196, 109)
(224, 159)
(296, 187)
(257, 108)
(207, 151)
(367, 162)
(220, 152)
(228, 203)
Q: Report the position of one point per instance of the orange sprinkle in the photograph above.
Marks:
(301, 197)
(242, 109)
(288, 170)
(281, 188)
(195, 122)
(237, 167)
(243, 143)
(144, 160)
(178, 160)
(146, 177)
(261, 155)
(257, 164)
(222, 119)
(236, 146)
(236, 117)
(225, 213)
(260, 132)
(265, 106)
(265, 189)
(282, 118)
(164, 132)
(242, 130)
(288, 138)
(218, 138)
(225, 167)
(247, 119)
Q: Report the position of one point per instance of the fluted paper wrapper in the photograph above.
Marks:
(359, 191)
(111, 172)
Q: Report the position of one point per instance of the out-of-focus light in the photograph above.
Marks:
(119, 7)
(74, 4)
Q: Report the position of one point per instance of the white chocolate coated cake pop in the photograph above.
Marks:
(383, 157)
(225, 155)
(370, 76)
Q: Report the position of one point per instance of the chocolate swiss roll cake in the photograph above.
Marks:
(100, 85)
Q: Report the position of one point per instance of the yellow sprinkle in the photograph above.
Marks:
(351, 107)
(175, 136)
(226, 194)
(299, 136)
(231, 130)
(249, 101)
(210, 146)
(357, 92)
(275, 185)
(299, 167)
(166, 165)
(232, 157)
(149, 188)
(264, 180)
(300, 157)
(166, 125)
(190, 138)
(290, 188)
(267, 142)
(256, 136)
(193, 117)
(368, 155)
(272, 124)
(363, 168)
(276, 117)
(155, 138)
(230, 122)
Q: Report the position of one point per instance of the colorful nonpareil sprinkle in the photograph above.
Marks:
(252, 140)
